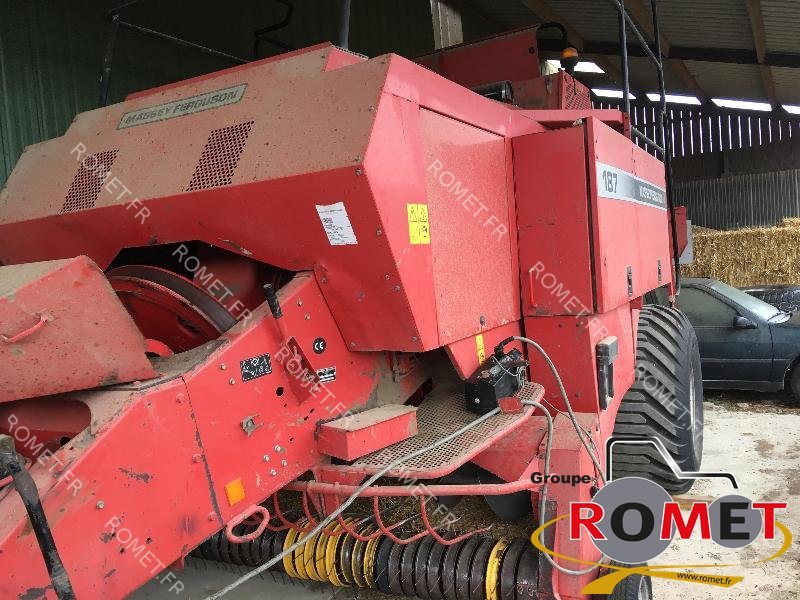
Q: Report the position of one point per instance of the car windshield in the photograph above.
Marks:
(758, 307)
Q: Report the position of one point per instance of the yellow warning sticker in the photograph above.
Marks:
(419, 231)
(481, 349)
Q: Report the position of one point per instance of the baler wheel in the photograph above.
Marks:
(665, 401)
(169, 308)
(633, 587)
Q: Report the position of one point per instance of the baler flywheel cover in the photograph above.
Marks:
(169, 308)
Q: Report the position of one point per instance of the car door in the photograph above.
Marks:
(733, 352)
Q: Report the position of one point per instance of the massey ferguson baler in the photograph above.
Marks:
(232, 305)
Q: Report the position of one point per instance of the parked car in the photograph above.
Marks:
(785, 297)
(745, 343)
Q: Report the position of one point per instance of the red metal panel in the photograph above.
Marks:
(465, 174)
(64, 329)
(469, 353)
(510, 56)
(682, 228)
(357, 435)
(122, 498)
(570, 341)
(626, 233)
(157, 457)
(552, 213)
(556, 91)
(286, 404)
(367, 155)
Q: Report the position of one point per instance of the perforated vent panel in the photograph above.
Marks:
(441, 414)
(88, 181)
(578, 100)
(220, 157)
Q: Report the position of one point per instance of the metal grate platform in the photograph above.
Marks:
(441, 414)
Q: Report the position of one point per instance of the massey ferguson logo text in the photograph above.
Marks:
(185, 106)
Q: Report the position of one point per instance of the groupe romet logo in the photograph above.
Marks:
(633, 521)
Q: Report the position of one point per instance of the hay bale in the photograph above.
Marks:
(751, 256)
(790, 222)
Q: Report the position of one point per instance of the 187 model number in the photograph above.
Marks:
(610, 181)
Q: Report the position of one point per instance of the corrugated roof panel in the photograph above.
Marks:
(595, 21)
(511, 14)
(781, 19)
(787, 84)
(643, 76)
(706, 23)
(728, 80)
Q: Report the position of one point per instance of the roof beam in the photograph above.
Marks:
(446, 21)
(543, 10)
(760, 39)
(644, 21)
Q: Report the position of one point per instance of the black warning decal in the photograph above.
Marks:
(255, 367)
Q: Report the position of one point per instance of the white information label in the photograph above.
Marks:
(337, 224)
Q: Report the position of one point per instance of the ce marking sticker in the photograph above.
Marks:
(319, 345)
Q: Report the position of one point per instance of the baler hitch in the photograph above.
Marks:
(13, 465)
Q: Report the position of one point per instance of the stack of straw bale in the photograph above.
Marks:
(750, 256)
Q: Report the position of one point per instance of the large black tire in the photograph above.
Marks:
(665, 401)
(633, 587)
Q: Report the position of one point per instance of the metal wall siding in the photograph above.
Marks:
(702, 130)
(753, 200)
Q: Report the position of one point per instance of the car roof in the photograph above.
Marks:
(697, 280)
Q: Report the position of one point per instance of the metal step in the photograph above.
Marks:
(443, 412)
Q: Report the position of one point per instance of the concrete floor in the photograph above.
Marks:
(754, 435)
